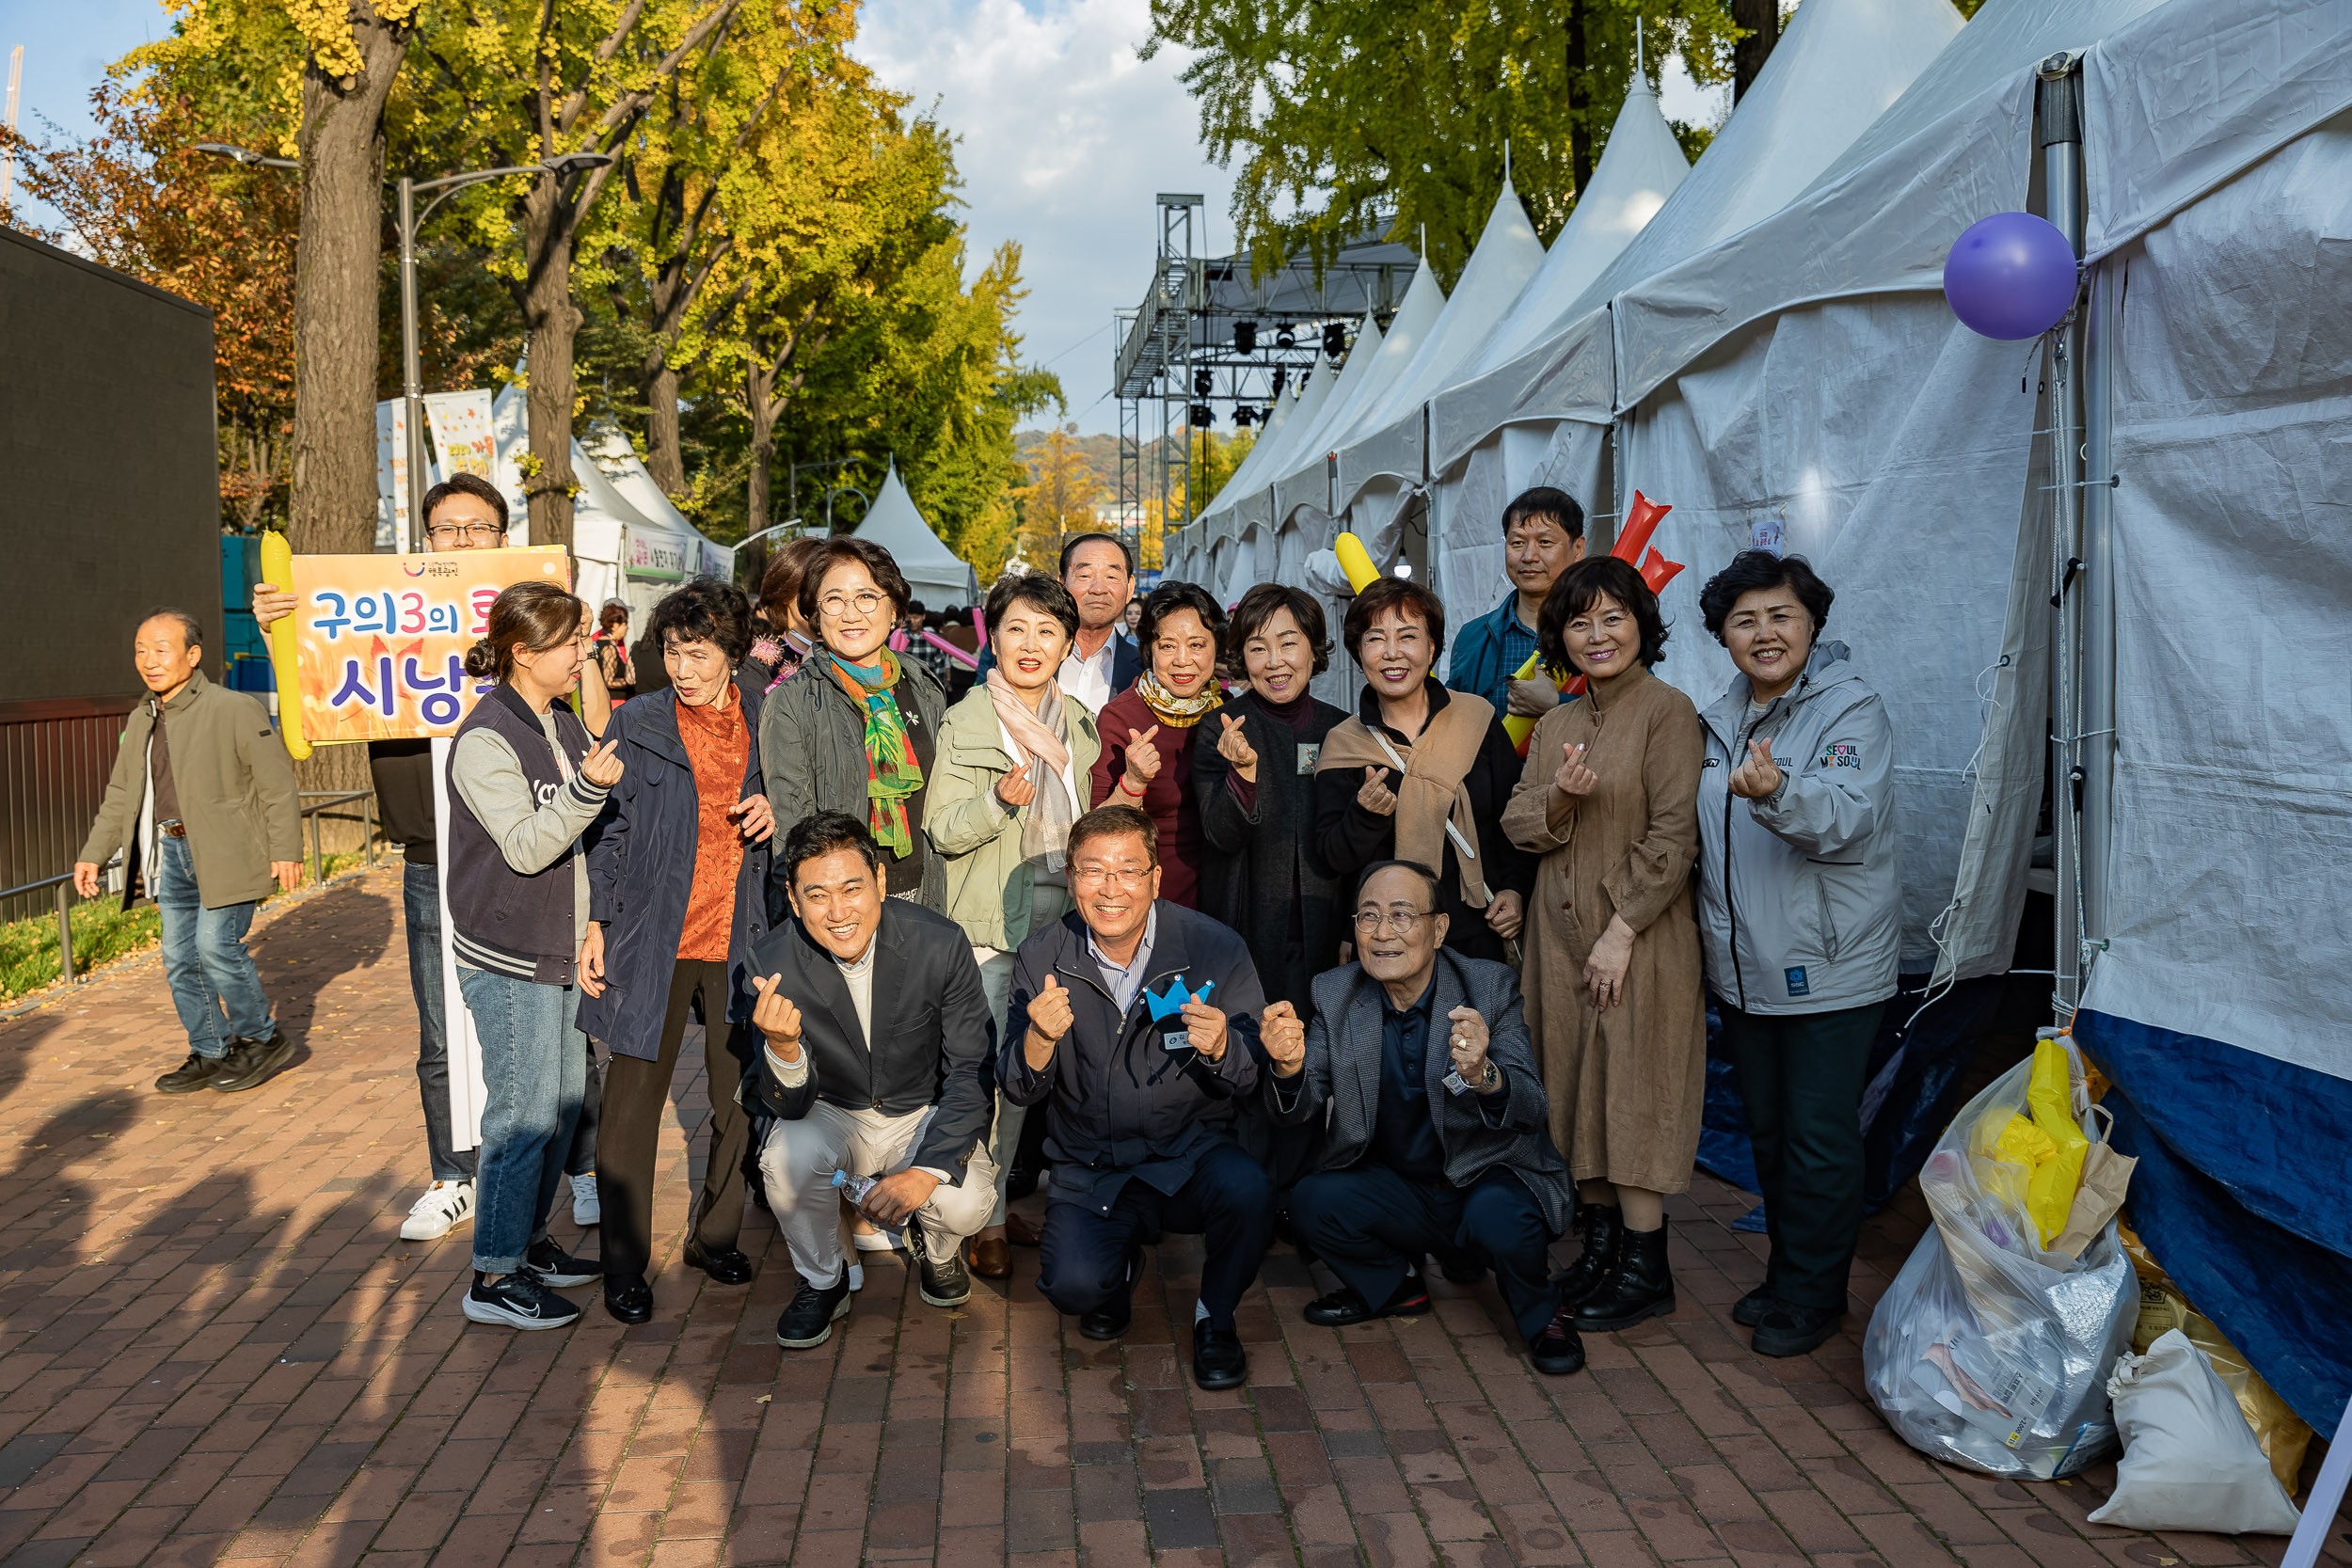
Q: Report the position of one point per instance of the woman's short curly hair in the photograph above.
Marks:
(1258, 607)
(780, 584)
(1582, 586)
(1752, 569)
(1165, 600)
(1036, 589)
(841, 550)
(1407, 594)
(704, 611)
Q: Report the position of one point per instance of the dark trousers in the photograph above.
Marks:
(1802, 1075)
(635, 1091)
(1373, 1224)
(1083, 1255)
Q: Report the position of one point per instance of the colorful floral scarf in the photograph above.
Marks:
(892, 773)
(1178, 713)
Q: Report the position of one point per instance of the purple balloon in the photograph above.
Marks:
(2011, 275)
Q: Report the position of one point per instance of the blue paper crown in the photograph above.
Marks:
(1172, 1002)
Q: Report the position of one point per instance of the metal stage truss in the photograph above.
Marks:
(1210, 335)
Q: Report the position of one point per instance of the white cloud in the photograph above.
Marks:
(1065, 138)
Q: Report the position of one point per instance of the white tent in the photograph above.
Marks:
(935, 574)
(1362, 383)
(1542, 415)
(627, 473)
(1640, 165)
(1385, 443)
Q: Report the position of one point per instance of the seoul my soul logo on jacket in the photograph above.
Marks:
(1841, 753)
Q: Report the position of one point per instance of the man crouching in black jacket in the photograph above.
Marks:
(876, 1063)
(1139, 1019)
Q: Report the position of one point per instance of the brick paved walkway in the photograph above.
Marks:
(214, 1347)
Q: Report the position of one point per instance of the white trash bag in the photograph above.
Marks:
(1988, 1351)
(2191, 1462)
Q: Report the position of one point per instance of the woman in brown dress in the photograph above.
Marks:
(1608, 799)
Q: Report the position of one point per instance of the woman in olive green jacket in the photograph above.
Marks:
(1009, 778)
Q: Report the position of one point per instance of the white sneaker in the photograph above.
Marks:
(879, 1241)
(439, 1210)
(586, 1211)
(857, 1277)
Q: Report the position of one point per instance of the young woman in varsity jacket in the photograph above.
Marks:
(524, 782)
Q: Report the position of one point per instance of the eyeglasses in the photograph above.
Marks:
(1398, 923)
(473, 533)
(1100, 876)
(835, 605)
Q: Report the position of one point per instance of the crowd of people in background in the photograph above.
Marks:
(1090, 887)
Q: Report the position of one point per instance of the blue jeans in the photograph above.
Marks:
(420, 902)
(534, 1063)
(205, 962)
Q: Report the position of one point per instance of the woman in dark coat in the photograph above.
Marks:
(677, 871)
(1150, 731)
(1253, 776)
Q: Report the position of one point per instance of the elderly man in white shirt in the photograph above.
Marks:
(877, 1039)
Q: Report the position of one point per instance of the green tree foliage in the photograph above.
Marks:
(1348, 113)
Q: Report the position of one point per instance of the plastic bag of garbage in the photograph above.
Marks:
(1988, 1350)
(2191, 1462)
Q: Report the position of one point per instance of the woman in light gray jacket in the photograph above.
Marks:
(1800, 920)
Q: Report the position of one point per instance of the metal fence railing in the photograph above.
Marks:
(315, 803)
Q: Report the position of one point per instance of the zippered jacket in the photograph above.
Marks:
(1800, 901)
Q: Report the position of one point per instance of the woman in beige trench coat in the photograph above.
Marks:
(1613, 999)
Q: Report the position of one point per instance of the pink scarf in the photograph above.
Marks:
(1045, 752)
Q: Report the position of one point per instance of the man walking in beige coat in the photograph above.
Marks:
(202, 807)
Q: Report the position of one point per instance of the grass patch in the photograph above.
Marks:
(104, 930)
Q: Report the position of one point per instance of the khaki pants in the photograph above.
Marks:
(798, 1161)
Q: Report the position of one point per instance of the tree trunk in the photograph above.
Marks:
(552, 320)
(1579, 98)
(340, 245)
(1759, 22)
(759, 383)
(665, 456)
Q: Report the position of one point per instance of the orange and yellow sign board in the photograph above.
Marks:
(380, 641)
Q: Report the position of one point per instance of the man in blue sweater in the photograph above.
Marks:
(1543, 535)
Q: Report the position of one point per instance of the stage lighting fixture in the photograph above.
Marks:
(1203, 383)
(1203, 416)
(1284, 337)
(1282, 378)
(1334, 340)
(1245, 337)
(1244, 416)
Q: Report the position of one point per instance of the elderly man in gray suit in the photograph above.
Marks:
(1438, 1139)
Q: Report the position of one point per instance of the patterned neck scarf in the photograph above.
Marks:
(1178, 713)
(892, 773)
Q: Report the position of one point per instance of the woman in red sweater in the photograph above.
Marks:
(1150, 729)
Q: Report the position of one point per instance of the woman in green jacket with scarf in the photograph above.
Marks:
(856, 728)
(1013, 760)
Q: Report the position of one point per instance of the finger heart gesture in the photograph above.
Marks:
(1574, 779)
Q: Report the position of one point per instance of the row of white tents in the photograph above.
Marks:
(1761, 341)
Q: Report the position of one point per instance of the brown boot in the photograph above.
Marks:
(990, 1258)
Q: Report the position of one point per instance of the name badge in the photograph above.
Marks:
(1175, 1040)
(1308, 752)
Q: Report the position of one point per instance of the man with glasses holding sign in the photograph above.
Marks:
(1440, 1139)
(1136, 1019)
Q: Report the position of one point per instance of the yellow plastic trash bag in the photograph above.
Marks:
(2051, 1193)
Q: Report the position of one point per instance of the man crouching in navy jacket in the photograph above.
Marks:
(1138, 1019)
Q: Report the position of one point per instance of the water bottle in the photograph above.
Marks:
(856, 1187)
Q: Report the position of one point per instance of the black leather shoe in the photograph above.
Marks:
(196, 1072)
(1638, 1287)
(725, 1265)
(942, 1280)
(1749, 1310)
(1217, 1359)
(1788, 1329)
(1558, 1349)
(1111, 1319)
(1345, 1305)
(808, 1321)
(249, 1064)
(1462, 1268)
(630, 1300)
(1602, 1224)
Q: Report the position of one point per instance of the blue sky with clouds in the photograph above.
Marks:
(1064, 138)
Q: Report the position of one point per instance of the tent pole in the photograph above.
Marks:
(2101, 336)
(2058, 105)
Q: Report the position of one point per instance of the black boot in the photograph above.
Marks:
(1602, 1224)
(1638, 1287)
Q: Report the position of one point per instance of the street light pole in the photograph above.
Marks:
(411, 373)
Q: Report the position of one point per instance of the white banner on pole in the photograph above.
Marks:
(468, 1093)
(462, 439)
